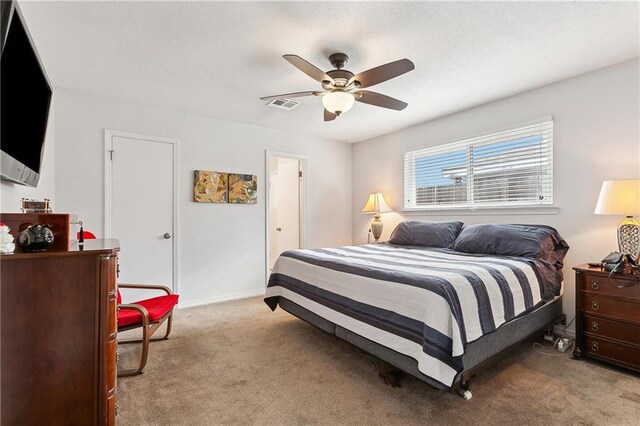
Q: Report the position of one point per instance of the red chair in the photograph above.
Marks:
(86, 235)
(148, 314)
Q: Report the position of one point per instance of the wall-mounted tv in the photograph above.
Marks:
(25, 95)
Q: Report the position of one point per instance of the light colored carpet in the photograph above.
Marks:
(239, 363)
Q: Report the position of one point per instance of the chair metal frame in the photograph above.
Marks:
(148, 327)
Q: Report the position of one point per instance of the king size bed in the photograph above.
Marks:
(437, 302)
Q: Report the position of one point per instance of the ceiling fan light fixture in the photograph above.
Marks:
(341, 88)
(338, 101)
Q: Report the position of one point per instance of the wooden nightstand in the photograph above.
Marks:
(607, 317)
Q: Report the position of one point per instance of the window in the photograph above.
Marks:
(512, 168)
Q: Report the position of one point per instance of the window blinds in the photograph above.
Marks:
(504, 169)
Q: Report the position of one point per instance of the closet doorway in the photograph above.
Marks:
(285, 205)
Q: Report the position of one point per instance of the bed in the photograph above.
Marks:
(435, 313)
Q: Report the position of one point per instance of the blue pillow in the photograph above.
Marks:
(424, 233)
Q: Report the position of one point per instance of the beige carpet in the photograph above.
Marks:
(239, 363)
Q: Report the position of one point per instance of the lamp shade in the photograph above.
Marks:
(338, 101)
(376, 204)
(619, 197)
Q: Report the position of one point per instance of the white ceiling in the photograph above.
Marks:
(217, 59)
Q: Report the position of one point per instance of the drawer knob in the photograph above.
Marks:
(594, 346)
(595, 326)
(595, 305)
(595, 285)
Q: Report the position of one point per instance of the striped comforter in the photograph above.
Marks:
(421, 302)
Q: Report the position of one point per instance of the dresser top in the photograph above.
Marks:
(90, 247)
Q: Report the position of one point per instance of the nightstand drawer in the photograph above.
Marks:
(598, 327)
(602, 285)
(610, 351)
(625, 310)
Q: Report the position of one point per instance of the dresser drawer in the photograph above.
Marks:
(602, 285)
(610, 351)
(113, 318)
(626, 310)
(110, 265)
(598, 327)
(112, 366)
(112, 411)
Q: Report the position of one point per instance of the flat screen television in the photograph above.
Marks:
(25, 95)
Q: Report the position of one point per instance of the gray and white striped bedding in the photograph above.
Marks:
(421, 302)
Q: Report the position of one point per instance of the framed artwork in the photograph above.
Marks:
(210, 187)
(243, 189)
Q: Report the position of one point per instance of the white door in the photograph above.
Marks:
(288, 206)
(273, 216)
(141, 209)
(285, 207)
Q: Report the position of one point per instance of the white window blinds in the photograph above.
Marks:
(505, 169)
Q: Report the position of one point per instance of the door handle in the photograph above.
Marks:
(167, 235)
(278, 229)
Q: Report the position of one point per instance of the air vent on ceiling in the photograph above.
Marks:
(283, 103)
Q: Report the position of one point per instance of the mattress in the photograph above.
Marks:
(426, 304)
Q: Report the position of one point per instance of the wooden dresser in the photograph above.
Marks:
(608, 317)
(58, 333)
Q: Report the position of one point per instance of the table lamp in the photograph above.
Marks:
(622, 198)
(376, 205)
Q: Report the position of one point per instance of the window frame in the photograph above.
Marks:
(518, 207)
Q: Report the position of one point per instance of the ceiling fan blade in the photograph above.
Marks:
(292, 95)
(329, 116)
(378, 99)
(383, 73)
(309, 69)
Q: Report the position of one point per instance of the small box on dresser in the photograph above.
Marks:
(608, 317)
(58, 222)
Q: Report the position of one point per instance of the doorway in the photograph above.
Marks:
(285, 221)
(141, 208)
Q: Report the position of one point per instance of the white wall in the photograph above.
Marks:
(11, 193)
(222, 246)
(596, 138)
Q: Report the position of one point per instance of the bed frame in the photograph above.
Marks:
(478, 355)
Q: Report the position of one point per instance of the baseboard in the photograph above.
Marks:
(224, 298)
(557, 330)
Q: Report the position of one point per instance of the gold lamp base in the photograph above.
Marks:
(376, 227)
(629, 237)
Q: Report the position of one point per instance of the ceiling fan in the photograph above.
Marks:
(342, 87)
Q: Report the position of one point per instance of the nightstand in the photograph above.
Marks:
(608, 317)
